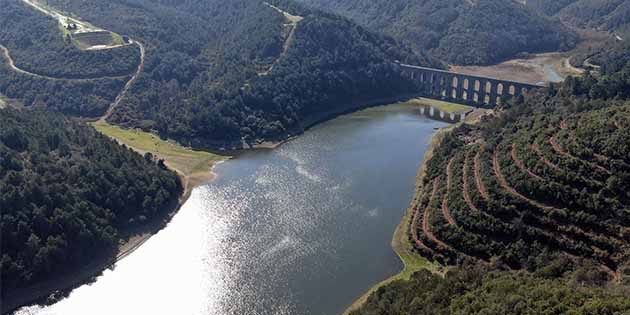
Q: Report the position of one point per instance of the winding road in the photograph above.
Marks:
(128, 85)
(87, 27)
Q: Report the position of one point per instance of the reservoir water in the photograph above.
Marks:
(301, 229)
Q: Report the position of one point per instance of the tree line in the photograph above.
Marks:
(69, 196)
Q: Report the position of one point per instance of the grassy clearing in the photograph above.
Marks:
(3, 102)
(187, 162)
(117, 39)
(443, 106)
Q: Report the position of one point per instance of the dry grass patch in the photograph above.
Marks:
(186, 161)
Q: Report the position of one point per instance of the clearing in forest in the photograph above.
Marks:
(186, 161)
(293, 21)
(84, 35)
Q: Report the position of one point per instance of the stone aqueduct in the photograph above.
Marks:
(463, 88)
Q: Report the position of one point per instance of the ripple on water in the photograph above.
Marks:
(302, 229)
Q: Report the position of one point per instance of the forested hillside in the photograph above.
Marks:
(57, 75)
(460, 32)
(475, 290)
(221, 74)
(37, 45)
(68, 194)
(89, 98)
(606, 15)
(542, 186)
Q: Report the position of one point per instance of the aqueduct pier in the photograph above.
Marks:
(463, 88)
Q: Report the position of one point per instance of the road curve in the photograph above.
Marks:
(15, 68)
(128, 85)
(58, 16)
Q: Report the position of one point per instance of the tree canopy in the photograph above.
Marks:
(225, 75)
(459, 32)
(538, 196)
(69, 195)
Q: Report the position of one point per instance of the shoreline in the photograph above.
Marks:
(307, 124)
(412, 262)
(65, 284)
(48, 292)
(332, 114)
(398, 243)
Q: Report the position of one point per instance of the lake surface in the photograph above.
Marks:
(302, 229)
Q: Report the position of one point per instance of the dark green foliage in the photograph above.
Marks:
(460, 32)
(555, 167)
(474, 290)
(217, 74)
(68, 194)
(549, 7)
(78, 98)
(37, 45)
(609, 15)
(603, 14)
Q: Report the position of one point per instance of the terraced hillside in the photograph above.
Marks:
(529, 209)
(549, 184)
(547, 177)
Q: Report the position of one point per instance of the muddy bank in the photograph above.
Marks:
(538, 69)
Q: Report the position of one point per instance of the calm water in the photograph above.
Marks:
(302, 229)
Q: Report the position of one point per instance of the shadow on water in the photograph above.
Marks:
(436, 114)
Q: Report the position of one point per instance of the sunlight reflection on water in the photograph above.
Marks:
(303, 229)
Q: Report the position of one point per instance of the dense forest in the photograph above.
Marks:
(62, 77)
(460, 32)
(225, 75)
(607, 15)
(542, 187)
(90, 98)
(37, 45)
(476, 290)
(69, 195)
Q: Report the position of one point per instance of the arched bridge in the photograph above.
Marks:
(463, 88)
